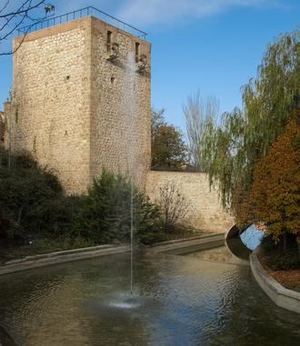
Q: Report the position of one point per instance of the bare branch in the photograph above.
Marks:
(4, 6)
(19, 45)
(11, 17)
(13, 20)
(13, 28)
(198, 111)
(22, 10)
(173, 205)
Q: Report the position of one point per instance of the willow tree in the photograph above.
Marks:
(231, 149)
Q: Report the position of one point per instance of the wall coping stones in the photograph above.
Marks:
(58, 257)
(281, 296)
(189, 245)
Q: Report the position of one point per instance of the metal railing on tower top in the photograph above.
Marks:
(87, 11)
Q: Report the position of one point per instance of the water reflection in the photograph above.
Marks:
(180, 301)
(252, 237)
(241, 244)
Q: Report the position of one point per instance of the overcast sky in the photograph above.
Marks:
(209, 45)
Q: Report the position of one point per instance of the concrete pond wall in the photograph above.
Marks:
(281, 296)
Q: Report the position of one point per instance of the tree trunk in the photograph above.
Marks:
(284, 242)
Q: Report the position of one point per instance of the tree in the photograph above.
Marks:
(275, 194)
(173, 205)
(18, 14)
(232, 148)
(105, 215)
(24, 189)
(198, 112)
(168, 148)
(157, 120)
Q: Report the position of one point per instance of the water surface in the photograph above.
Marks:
(180, 300)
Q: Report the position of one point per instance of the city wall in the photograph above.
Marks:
(205, 211)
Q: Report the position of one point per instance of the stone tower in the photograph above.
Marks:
(81, 101)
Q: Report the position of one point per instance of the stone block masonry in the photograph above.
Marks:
(81, 102)
(120, 105)
(68, 106)
(205, 210)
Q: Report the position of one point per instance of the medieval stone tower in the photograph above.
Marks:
(81, 101)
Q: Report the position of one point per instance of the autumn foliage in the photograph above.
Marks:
(275, 194)
(168, 149)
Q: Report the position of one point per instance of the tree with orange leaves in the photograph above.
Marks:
(275, 194)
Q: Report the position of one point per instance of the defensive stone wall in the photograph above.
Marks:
(121, 113)
(51, 101)
(205, 210)
(2, 128)
(81, 102)
(69, 102)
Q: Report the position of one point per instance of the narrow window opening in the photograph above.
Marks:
(108, 41)
(17, 116)
(137, 51)
(112, 80)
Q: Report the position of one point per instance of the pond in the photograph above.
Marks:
(203, 299)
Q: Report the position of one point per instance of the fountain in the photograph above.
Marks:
(128, 111)
(131, 238)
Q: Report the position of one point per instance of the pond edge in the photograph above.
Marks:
(281, 296)
(58, 257)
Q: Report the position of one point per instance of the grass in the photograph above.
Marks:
(41, 246)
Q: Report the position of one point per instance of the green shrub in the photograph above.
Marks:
(64, 242)
(279, 256)
(24, 189)
(105, 215)
(34, 207)
(148, 224)
(284, 260)
(268, 244)
(54, 217)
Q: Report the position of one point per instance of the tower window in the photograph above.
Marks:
(17, 116)
(137, 51)
(108, 41)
